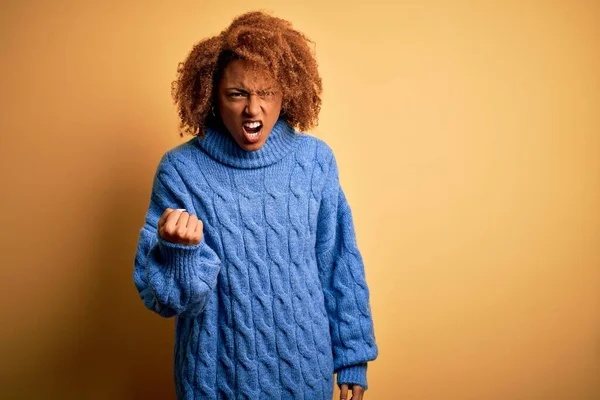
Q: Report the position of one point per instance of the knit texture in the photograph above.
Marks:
(273, 300)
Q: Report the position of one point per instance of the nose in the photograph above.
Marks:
(252, 105)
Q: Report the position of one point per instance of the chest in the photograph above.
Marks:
(275, 205)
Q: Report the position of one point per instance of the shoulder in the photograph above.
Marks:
(177, 163)
(184, 154)
(316, 149)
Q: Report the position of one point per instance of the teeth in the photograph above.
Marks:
(252, 125)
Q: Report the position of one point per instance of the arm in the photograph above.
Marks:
(172, 279)
(342, 275)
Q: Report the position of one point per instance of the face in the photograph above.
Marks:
(249, 103)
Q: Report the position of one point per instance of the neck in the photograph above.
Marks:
(219, 144)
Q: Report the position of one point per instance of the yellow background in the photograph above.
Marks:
(467, 135)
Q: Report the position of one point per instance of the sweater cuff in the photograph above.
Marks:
(353, 374)
(180, 256)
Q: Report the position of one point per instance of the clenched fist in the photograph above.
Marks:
(177, 226)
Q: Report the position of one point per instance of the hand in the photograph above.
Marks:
(357, 392)
(177, 226)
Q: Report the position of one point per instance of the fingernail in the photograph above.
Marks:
(180, 209)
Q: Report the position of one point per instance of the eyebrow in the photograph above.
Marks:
(236, 88)
(246, 90)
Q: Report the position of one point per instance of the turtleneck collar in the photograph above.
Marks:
(222, 147)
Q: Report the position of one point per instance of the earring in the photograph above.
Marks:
(213, 111)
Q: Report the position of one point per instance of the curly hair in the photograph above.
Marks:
(267, 42)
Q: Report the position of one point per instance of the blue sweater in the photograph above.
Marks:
(273, 300)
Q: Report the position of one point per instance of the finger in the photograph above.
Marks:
(163, 218)
(199, 231)
(199, 226)
(182, 224)
(171, 221)
(344, 392)
(191, 223)
(191, 227)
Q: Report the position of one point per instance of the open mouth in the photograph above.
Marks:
(252, 130)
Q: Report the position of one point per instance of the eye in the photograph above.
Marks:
(234, 95)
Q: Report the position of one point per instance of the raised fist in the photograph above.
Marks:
(177, 226)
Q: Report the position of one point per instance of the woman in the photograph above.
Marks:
(248, 239)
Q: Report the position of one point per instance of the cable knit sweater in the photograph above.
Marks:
(273, 300)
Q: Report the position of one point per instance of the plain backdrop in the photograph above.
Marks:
(468, 139)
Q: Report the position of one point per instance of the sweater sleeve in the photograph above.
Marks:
(342, 275)
(172, 279)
